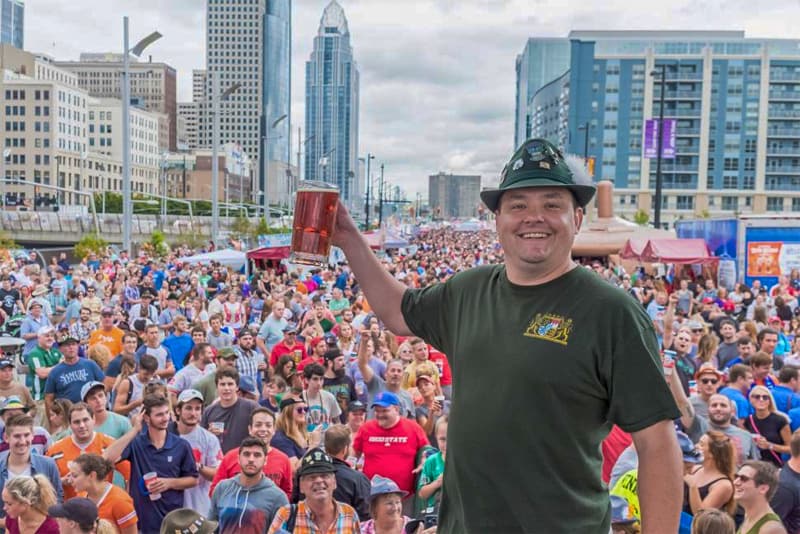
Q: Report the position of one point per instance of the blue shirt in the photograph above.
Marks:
(31, 326)
(743, 408)
(65, 381)
(785, 398)
(179, 348)
(174, 460)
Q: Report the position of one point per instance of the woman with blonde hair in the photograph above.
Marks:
(291, 433)
(100, 354)
(771, 426)
(748, 328)
(711, 485)
(707, 350)
(25, 501)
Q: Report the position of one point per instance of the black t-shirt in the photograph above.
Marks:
(769, 427)
(786, 502)
(8, 300)
(343, 389)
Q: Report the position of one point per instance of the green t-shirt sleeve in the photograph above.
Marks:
(638, 394)
(424, 311)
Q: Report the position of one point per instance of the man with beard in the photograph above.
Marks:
(685, 366)
(720, 413)
(198, 367)
(337, 383)
(205, 447)
(249, 362)
(155, 451)
(249, 501)
(319, 511)
(728, 348)
(277, 467)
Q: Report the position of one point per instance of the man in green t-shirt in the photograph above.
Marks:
(40, 361)
(545, 357)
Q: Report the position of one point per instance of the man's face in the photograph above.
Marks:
(198, 337)
(129, 345)
(356, 418)
(36, 311)
(719, 410)
(207, 355)
(386, 417)
(537, 226)
(683, 342)
(768, 343)
(318, 486)
(190, 412)
(263, 427)
(746, 350)
(314, 383)
(278, 309)
(216, 325)
(85, 315)
(347, 316)
(709, 284)
(96, 400)
(252, 460)
(46, 340)
(145, 376)
(420, 352)
(151, 336)
(6, 374)
(223, 363)
(227, 388)
(761, 371)
(107, 322)
(338, 363)
(728, 332)
(158, 418)
(246, 341)
(70, 352)
(82, 425)
(744, 487)
(320, 348)
(19, 439)
(180, 327)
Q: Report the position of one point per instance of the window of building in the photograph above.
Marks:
(774, 203)
(730, 203)
(796, 204)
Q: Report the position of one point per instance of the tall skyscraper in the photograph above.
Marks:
(249, 43)
(332, 94)
(452, 195)
(12, 19)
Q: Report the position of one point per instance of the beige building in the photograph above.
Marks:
(189, 175)
(454, 196)
(153, 86)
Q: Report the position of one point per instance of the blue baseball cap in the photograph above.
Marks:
(385, 399)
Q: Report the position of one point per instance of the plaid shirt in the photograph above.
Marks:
(247, 362)
(346, 521)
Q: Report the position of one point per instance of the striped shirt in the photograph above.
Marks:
(346, 521)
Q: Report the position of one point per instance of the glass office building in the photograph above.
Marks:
(332, 94)
(277, 95)
(12, 21)
(736, 102)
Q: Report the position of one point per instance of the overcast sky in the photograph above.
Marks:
(437, 76)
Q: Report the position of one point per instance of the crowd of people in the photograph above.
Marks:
(153, 392)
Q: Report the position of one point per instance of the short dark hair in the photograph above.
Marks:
(20, 420)
(766, 474)
(78, 407)
(738, 371)
(227, 372)
(149, 363)
(727, 320)
(153, 401)
(787, 374)
(198, 329)
(760, 359)
(251, 441)
(765, 332)
(130, 335)
(258, 411)
(744, 340)
(313, 369)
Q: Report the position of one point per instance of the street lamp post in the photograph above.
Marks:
(127, 206)
(217, 98)
(659, 145)
(370, 157)
(265, 138)
(3, 157)
(380, 201)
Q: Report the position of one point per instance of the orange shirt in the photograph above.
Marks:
(116, 507)
(111, 339)
(65, 450)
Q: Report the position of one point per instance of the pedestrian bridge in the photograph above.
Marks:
(48, 228)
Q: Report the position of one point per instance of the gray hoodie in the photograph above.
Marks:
(235, 506)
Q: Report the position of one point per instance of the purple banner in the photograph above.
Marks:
(651, 138)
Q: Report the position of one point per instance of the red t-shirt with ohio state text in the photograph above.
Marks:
(391, 452)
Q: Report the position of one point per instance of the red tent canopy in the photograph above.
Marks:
(268, 253)
(668, 251)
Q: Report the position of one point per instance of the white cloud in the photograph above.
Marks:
(437, 76)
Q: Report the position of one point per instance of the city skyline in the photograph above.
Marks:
(436, 96)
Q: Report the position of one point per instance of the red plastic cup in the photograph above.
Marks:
(314, 221)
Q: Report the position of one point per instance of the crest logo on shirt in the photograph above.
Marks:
(550, 327)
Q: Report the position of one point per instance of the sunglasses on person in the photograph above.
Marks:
(300, 409)
(709, 381)
(743, 478)
(759, 397)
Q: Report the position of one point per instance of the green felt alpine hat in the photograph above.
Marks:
(539, 163)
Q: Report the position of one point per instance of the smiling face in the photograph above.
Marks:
(263, 427)
(536, 228)
(318, 486)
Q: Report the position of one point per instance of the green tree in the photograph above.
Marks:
(641, 218)
(90, 243)
(260, 228)
(157, 244)
(240, 228)
(7, 242)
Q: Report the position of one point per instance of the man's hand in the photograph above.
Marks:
(345, 228)
(160, 485)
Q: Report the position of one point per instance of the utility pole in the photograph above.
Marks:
(215, 155)
(127, 205)
(369, 180)
(660, 147)
(380, 202)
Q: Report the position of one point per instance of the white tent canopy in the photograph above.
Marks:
(226, 257)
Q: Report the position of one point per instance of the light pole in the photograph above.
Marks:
(264, 157)
(370, 157)
(659, 145)
(127, 206)
(323, 162)
(6, 154)
(380, 201)
(217, 98)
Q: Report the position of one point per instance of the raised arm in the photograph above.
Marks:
(385, 294)
(363, 358)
